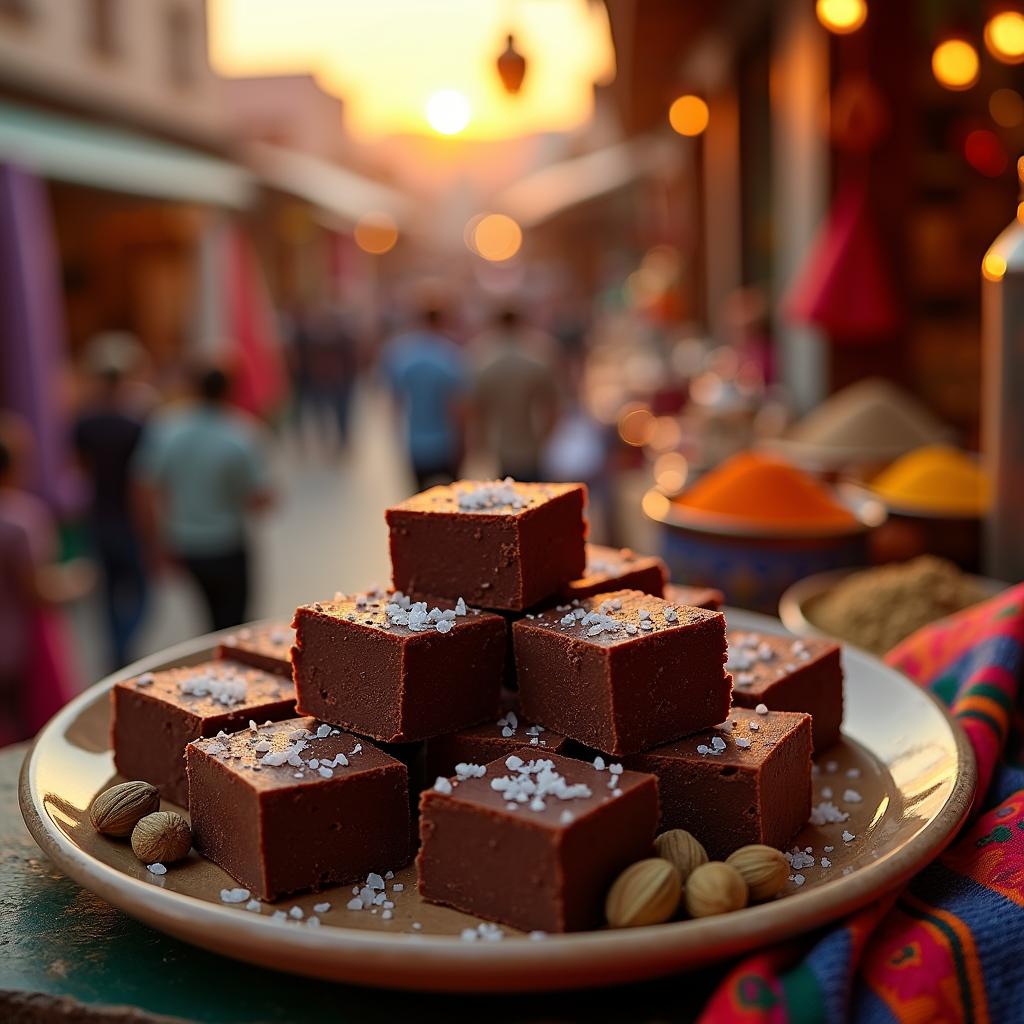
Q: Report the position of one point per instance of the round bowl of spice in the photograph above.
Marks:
(756, 524)
(877, 608)
(936, 497)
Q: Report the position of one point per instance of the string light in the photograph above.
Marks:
(1004, 36)
(689, 115)
(841, 16)
(955, 64)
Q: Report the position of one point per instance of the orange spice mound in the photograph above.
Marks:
(763, 490)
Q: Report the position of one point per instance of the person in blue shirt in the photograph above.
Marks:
(203, 469)
(427, 374)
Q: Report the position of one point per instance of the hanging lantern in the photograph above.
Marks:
(511, 67)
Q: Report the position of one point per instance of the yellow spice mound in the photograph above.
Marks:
(937, 479)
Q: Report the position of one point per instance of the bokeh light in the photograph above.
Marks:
(955, 64)
(841, 16)
(1004, 36)
(985, 153)
(496, 237)
(993, 266)
(448, 111)
(1006, 107)
(670, 472)
(376, 233)
(689, 115)
(636, 421)
(666, 433)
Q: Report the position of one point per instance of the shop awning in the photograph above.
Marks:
(336, 190)
(545, 193)
(68, 149)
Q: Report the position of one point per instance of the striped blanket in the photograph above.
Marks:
(949, 946)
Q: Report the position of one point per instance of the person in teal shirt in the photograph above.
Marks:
(202, 470)
(428, 377)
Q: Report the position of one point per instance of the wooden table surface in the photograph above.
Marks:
(66, 955)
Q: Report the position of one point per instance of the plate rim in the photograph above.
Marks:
(358, 956)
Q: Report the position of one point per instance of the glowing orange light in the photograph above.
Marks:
(955, 64)
(635, 424)
(376, 233)
(496, 237)
(993, 266)
(841, 16)
(1004, 36)
(448, 111)
(1006, 107)
(689, 115)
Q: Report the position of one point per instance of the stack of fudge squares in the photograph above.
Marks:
(538, 705)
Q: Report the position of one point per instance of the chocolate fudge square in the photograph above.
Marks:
(157, 713)
(480, 744)
(267, 645)
(502, 545)
(297, 805)
(748, 781)
(617, 569)
(399, 670)
(698, 597)
(788, 674)
(534, 841)
(624, 671)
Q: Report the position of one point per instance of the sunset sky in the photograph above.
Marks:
(387, 58)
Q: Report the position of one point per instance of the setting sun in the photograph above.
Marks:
(385, 60)
(448, 111)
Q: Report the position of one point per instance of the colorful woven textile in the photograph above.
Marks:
(948, 947)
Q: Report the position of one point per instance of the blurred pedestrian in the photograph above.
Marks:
(26, 540)
(35, 674)
(106, 435)
(427, 374)
(326, 347)
(515, 395)
(202, 469)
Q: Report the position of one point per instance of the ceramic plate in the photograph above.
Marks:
(902, 754)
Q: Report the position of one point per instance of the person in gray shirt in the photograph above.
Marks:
(202, 470)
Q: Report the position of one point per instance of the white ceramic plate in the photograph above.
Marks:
(916, 776)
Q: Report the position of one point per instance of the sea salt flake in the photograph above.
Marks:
(848, 837)
(158, 869)
(742, 742)
(398, 887)
(853, 773)
(354, 904)
(321, 908)
(442, 785)
(851, 796)
(761, 709)
(296, 913)
(254, 906)
(386, 915)
(374, 881)
(826, 863)
(826, 813)
(599, 764)
(798, 879)
(234, 895)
